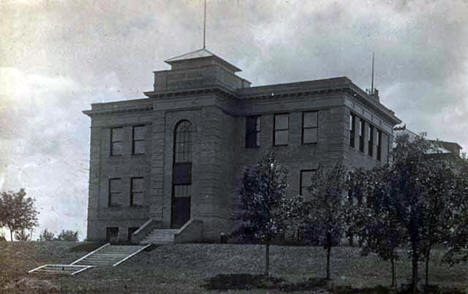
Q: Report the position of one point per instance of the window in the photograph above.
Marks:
(281, 129)
(252, 132)
(112, 234)
(370, 139)
(183, 142)
(379, 145)
(352, 129)
(115, 191)
(362, 129)
(182, 174)
(130, 232)
(116, 141)
(305, 181)
(309, 127)
(138, 139)
(137, 191)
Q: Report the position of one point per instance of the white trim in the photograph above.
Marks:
(39, 267)
(81, 268)
(143, 226)
(90, 253)
(131, 255)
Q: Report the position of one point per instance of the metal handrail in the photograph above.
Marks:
(92, 252)
(131, 255)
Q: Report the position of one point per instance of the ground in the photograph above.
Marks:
(182, 268)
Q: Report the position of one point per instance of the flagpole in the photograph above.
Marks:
(204, 25)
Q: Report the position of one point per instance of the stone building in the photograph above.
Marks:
(167, 166)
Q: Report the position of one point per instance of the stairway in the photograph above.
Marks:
(111, 255)
(66, 269)
(160, 236)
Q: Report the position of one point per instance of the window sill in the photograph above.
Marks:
(314, 143)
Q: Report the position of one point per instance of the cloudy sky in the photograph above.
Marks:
(59, 56)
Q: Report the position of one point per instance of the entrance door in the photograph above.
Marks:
(182, 174)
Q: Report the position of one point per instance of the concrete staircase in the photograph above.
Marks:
(160, 236)
(66, 269)
(111, 255)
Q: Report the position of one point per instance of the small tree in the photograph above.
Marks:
(22, 236)
(68, 235)
(325, 211)
(416, 198)
(440, 202)
(377, 225)
(457, 241)
(17, 211)
(259, 216)
(46, 236)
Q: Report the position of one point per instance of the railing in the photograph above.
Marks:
(189, 232)
(63, 266)
(91, 253)
(144, 230)
(131, 255)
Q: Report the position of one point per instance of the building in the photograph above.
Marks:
(437, 147)
(173, 160)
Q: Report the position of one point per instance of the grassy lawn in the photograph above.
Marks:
(182, 268)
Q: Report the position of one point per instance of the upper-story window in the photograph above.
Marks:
(137, 191)
(362, 128)
(352, 129)
(370, 138)
(309, 127)
(305, 180)
(138, 139)
(281, 129)
(116, 141)
(115, 191)
(379, 145)
(252, 131)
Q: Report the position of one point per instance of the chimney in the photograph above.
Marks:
(375, 94)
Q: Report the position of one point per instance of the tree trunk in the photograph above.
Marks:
(392, 260)
(414, 277)
(427, 266)
(328, 262)
(351, 239)
(267, 259)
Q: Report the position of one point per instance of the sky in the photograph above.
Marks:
(59, 56)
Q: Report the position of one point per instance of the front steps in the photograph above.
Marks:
(160, 236)
(105, 256)
(66, 269)
(111, 255)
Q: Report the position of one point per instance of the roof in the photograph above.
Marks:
(191, 55)
(201, 53)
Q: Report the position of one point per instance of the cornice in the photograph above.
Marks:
(118, 110)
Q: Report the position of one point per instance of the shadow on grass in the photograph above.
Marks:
(249, 281)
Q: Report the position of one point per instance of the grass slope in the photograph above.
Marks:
(182, 268)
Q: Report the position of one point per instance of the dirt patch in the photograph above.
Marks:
(30, 286)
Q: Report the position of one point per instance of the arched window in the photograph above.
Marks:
(183, 142)
(182, 174)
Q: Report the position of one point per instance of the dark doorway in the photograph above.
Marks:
(182, 174)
